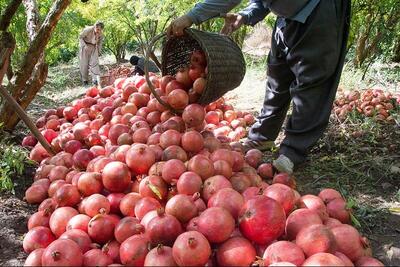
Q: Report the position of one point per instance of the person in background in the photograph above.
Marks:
(305, 62)
(138, 63)
(90, 45)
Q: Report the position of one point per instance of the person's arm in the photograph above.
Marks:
(100, 44)
(255, 12)
(209, 9)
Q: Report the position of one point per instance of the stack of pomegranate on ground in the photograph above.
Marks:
(134, 184)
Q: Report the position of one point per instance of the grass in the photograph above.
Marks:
(13, 161)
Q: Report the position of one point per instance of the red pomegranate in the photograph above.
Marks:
(140, 158)
(193, 115)
(300, 219)
(262, 220)
(160, 256)
(172, 170)
(37, 237)
(315, 239)
(144, 205)
(96, 257)
(189, 183)
(59, 219)
(213, 184)
(283, 251)
(323, 259)
(182, 207)
(35, 258)
(191, 249)
(201, 165)
(216, 224)
(116, 177)
(62, 252)
(80, 237)
(126, 228)
(128, 203)
(236, 251)
(282, 194)
(153, 186)
(229, 199)
(101, 228)
(164, 228)
(133, 250)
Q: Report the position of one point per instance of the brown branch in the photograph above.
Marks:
(8, 14)
(34, 53)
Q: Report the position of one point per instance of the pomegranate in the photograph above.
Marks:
(182, 76)
(96, 204)
(145, 205)
(59, 219)
(312, 202)
(67, 195)
(160, 256)
(140, 158)
(337, 209)
(216, 224)
(81, 158)
(282, 194)
(240, 181)
(35, 258)
(192, 141)
(58, 173)
(153, 186)
(262, 220)
(315, 239)
(283, 251)
(115, 200)
(48, 205)
(35, 194)
(202, 166)
(189, 183)
(133, 250)
(182, 207)
(116, 177)
(126, 228)
(323, 259)
(229, 199)
(62, 252)
(328, 194)
(193, 115)
(111, 249)
(178, 99)
(172, 170)
(174, 152)
(37, 237)
(213, 184)
(78, 236)
(128, 203)
(368, 261)
(40, 218)
(96, 257)
(115, 131)
(191, 249)
(89, 183)
(72, 146)
(164, 228)
(349, 241)
(38, 153)
(300, 219)
(101, 228)
(223, 168)
(344, 258)
(236, 251)
(79, 221)
(284, 178)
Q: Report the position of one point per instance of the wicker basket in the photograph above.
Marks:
(225, 63)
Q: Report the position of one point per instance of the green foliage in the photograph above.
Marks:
(13, 160)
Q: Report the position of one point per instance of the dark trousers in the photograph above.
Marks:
(304, 66)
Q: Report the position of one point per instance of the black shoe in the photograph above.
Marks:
(85, 83)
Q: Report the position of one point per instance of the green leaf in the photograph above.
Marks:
(155, 190)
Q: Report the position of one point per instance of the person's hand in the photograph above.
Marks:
(232, 23)
(178, 25)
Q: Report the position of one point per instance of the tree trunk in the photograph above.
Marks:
(7, 45)
(32, 18)
(20, 89)
(396, 51)
(8, 14)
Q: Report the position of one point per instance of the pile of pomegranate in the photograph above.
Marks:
(371, 103)
(134, 184)
(120, 72)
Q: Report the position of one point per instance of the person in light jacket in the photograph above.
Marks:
(90, 45)
(308, 49)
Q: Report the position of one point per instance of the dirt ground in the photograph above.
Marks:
(365, 170)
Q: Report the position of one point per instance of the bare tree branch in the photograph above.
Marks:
(8, 14)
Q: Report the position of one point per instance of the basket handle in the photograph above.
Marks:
(148, 51)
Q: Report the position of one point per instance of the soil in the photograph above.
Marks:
(364, 170)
